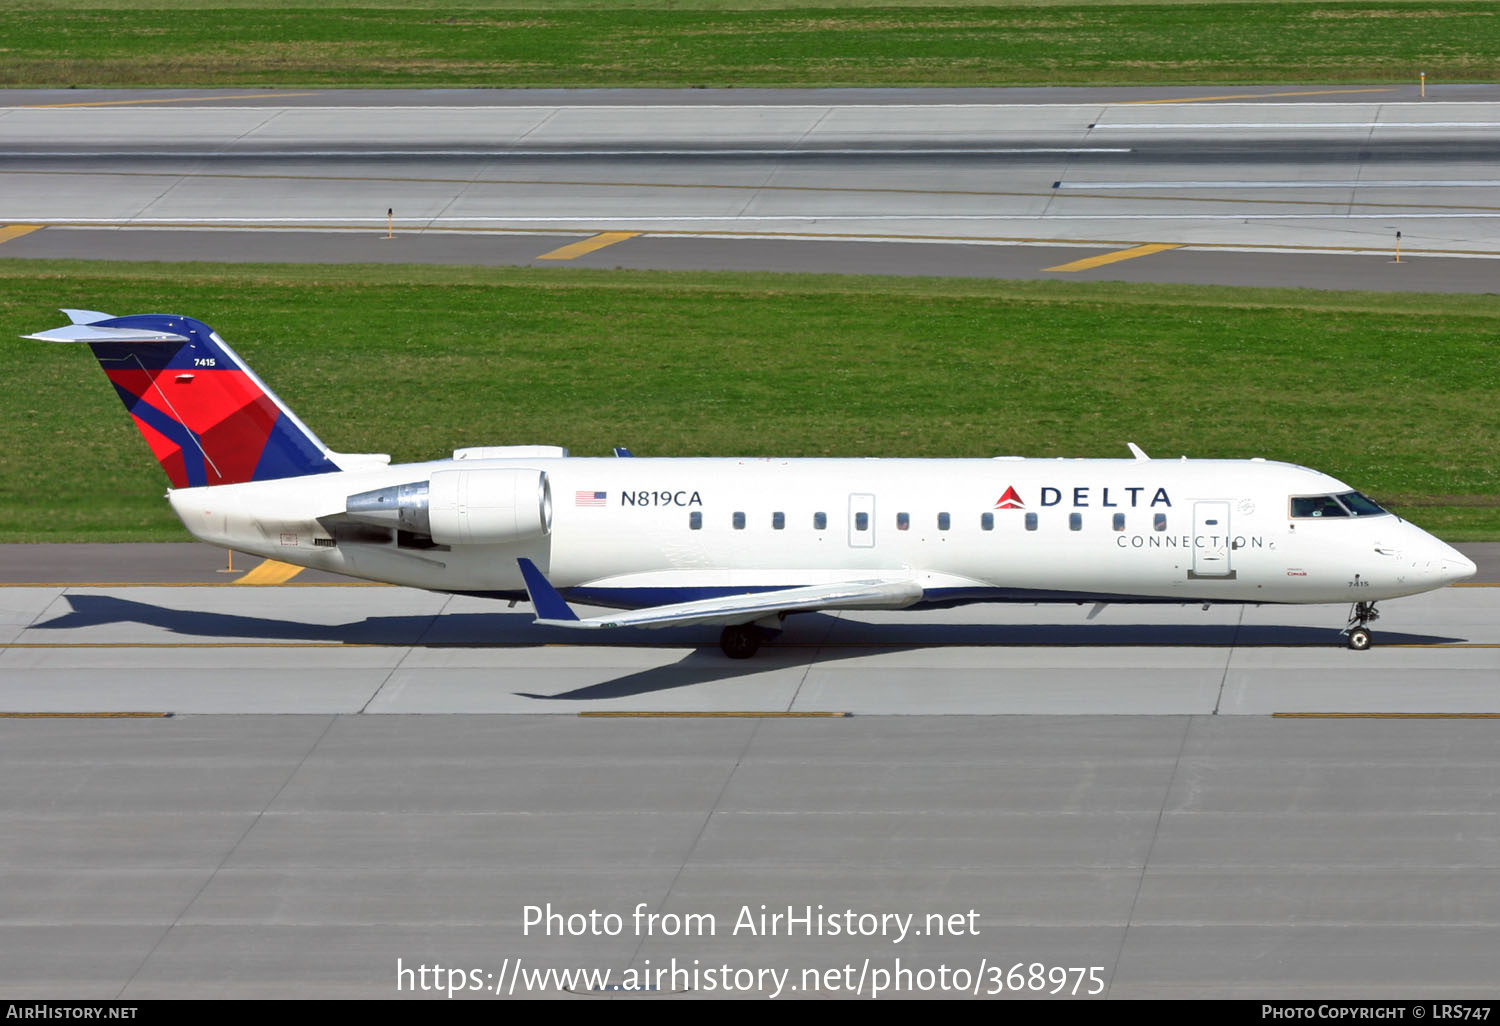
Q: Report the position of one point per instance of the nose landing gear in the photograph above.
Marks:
(1357, 635)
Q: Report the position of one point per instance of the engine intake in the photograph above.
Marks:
(462, 507)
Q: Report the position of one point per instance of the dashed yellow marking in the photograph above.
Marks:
(15, 231)
(205, 644)
(185, 584)
(85, 715)
(706, 714)
(1116, 256)
(1250, 96)
(174, 99)
(738, 233)
(578, 249)
(271, 571)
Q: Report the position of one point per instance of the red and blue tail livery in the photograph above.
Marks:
(208, 418)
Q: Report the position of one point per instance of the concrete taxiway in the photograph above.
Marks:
(1184, 856)
(1296, 187)
(314, 644)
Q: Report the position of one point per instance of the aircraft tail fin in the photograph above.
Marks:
(206, 415)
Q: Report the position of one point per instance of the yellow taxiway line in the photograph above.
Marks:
(748, 714)
(589, 245)
(711, 233)
(1250, 96)
(783, 646)
(1118, 255)
(174, 99)
(15, 231)
(84, 715)
(185, 584)
(270, 571)
(208, 644)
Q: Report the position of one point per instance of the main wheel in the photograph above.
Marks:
(1359, 639)
(739, 641)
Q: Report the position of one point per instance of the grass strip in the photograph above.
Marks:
(710, 45)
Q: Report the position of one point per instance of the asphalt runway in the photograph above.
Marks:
(1215, 803)
(1297, 186)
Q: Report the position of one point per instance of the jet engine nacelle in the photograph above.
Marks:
(462, 507)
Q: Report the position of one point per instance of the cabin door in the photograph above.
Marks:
(1211, 540)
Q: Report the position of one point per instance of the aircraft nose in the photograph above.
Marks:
(1456, 566)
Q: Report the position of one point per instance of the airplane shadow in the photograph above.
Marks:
(825, 637)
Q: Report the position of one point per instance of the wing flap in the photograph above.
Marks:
(887, 593)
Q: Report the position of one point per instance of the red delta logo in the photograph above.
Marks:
(1010, 500)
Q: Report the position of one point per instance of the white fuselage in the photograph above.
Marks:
(633, 532)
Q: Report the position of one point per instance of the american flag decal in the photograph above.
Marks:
(588, 498)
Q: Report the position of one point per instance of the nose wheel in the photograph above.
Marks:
(1357, 634)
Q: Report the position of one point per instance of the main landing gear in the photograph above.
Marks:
(1357, 634)
(740, 640)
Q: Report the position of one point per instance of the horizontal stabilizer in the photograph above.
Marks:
(552, 611)
(87, 316)
(89, 333)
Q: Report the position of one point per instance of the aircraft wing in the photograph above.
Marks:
(887, 593)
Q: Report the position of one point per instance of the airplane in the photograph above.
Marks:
(743, 543)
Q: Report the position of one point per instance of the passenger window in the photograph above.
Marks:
(1119, 521)
(695, 521)
(943, 521)
(1031, 521)
(1159, 522)
(986, 521)
(820, 521)
(903, 521)
(1075, 521)
(778, 521)
(739, 521)
(861, 521)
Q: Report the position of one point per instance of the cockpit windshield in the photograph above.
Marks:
(1360, 505)
(1344, 504)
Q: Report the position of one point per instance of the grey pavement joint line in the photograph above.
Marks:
(1140, 883)
(708, 818)
(432, 622)
(35, 619)
(1234, 642)
(208, 879)
(834, 615)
